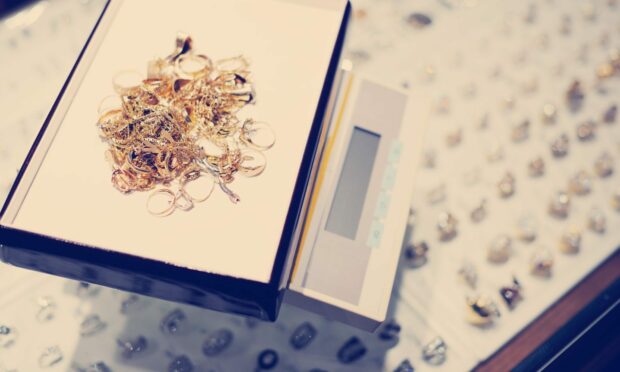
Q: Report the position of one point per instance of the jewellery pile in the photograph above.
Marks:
(180, 126)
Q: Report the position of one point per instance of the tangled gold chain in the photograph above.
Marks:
(180, 124)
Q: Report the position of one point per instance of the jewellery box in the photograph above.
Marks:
(82, 204)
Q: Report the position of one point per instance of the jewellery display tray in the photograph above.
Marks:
(160, 278)
(529, 61)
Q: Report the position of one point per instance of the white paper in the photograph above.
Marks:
(289, 45)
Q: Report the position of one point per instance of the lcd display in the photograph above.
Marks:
(348, 203)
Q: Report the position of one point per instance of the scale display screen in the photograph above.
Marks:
(348, 203)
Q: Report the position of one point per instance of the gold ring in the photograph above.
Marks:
(126, 80)
(193, 65)
(252, 162)
(197, 199)
(164, 211)
(108, 104)
(257, 134)
(482, 311)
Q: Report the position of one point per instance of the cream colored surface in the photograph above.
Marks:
(72, 197)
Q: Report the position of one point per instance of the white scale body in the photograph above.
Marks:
(351, 242)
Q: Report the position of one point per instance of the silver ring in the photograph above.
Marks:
(435, 351)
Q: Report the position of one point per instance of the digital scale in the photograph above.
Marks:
(322, 228)
(354, 227)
